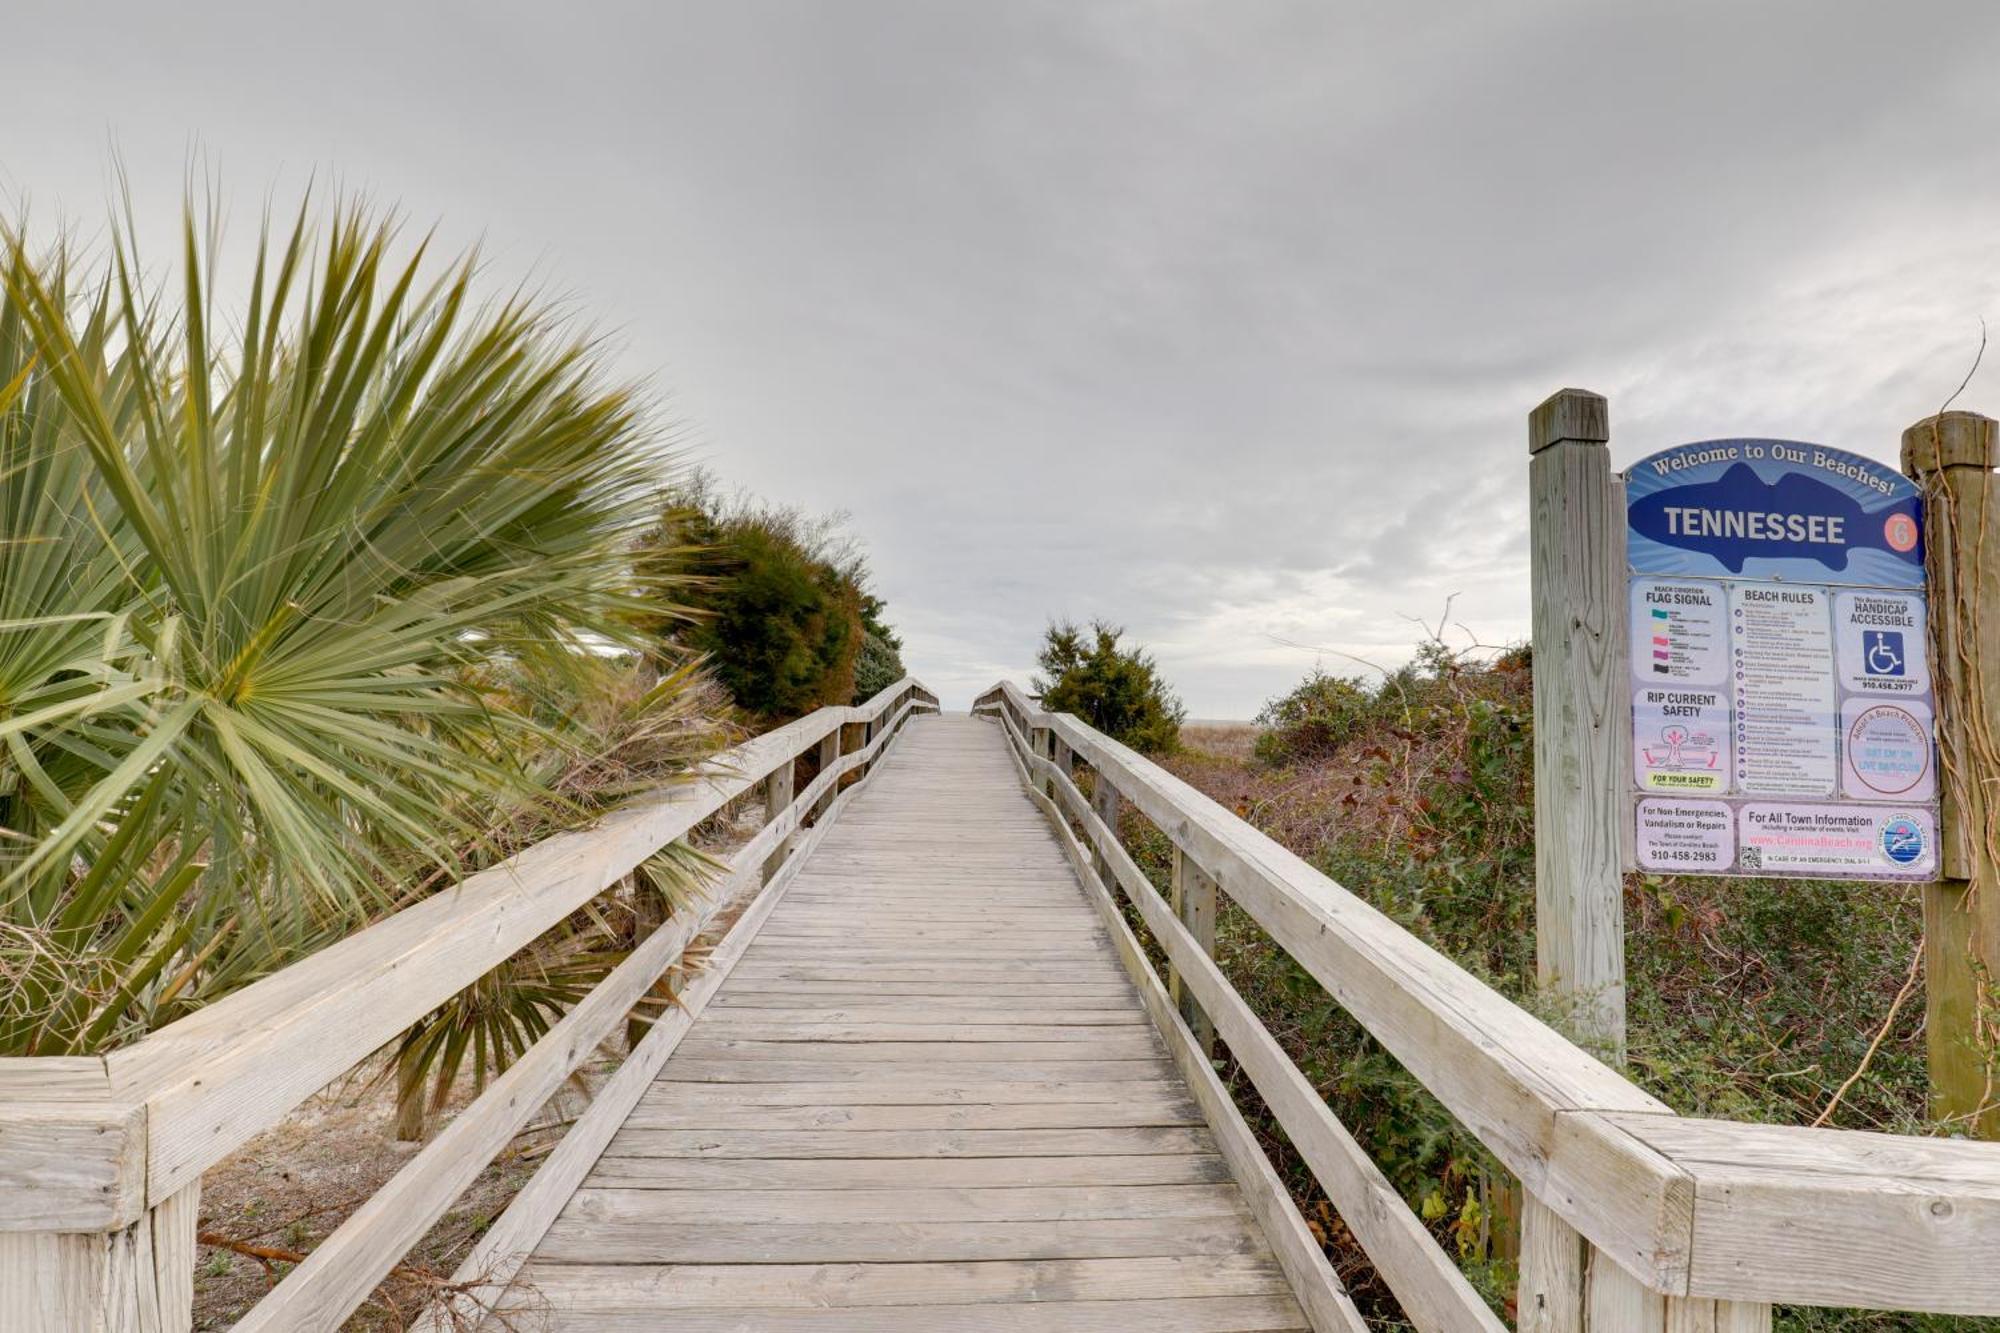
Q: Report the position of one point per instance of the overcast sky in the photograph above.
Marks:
(1218, 320)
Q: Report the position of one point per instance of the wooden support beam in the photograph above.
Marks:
(778, 789)
(829, 755)
(1577, 571)
(139, 1278)
(1104, 800)
(1951, 457)
(1576, 531)
(1193, 898)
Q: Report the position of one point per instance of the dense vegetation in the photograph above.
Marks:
(1116, 690)
(288, 589)
(780, 610)
(1750, 999)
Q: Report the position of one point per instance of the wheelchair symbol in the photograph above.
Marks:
(1884, 653)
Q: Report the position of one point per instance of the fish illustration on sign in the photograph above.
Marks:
(1740, 516)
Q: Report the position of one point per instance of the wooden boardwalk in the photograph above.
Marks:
(925, 1098)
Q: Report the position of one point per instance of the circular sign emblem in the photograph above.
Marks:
(1888, 750)
(1900, 532)
(1903, 840)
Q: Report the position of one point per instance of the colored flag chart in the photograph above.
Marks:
(1782, 717)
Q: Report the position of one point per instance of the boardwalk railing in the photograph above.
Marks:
(101, 1157)
(1639, 1220)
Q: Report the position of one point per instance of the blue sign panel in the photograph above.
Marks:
(1782, 712)
(1773, 509)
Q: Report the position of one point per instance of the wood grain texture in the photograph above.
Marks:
(1951, 458)
(930, 1054)
(229, 1071)
(659, 1288)
(1836, 1217)
(1577, 577)
(1321, 1296)
(1550, 1296)
(495, 1260)
(1505, 1075)
(1427, 1283)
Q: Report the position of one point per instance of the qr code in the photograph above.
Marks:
(1750, 858)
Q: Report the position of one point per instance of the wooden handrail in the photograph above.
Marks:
(1692, 1207)
(94, 1146)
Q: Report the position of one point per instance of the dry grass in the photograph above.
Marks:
(1221, 740)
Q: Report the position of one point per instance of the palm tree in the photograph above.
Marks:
(258, 579)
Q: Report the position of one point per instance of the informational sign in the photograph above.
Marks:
(1781, 702)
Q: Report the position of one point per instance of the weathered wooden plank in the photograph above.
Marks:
(1319, 1291)
(849, 1032)
(1501, 1072)
(833, 1069)
(1074, 973)
(759, 1144)
(1550, 1296)
(906, 1204)
(894, 1172)
(745, 1006)
(1018, 1115)
(1073, 1044)
(683, 1240)
(494, 1260)
(660, 1287)
(1426, 1281)
(1027, 988)
(72, 1165)
(1221, 1314)
(1836, 1217)
(915, 1090)
(771, 1020)
(231, 1069)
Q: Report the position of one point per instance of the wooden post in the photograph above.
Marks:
(1040, 744)
(829, 755)
(140, 1278)
(1194, 904)
(1549, 1298)
(1951, 458)
(777, 797)
(1104, 800)
(1582, 759)
(1581, 707)
(1577, 570)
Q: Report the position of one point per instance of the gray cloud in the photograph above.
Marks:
(1218, 319)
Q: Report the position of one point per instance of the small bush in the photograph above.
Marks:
(780, 610)
(1118, 691)
(1318, 717)
(880, 664)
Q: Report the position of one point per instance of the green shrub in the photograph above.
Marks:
(1118, 691)
(781, 609)
(879, 666)
(1322, 714)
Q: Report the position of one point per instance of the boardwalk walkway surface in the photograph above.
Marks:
(926, 1098)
